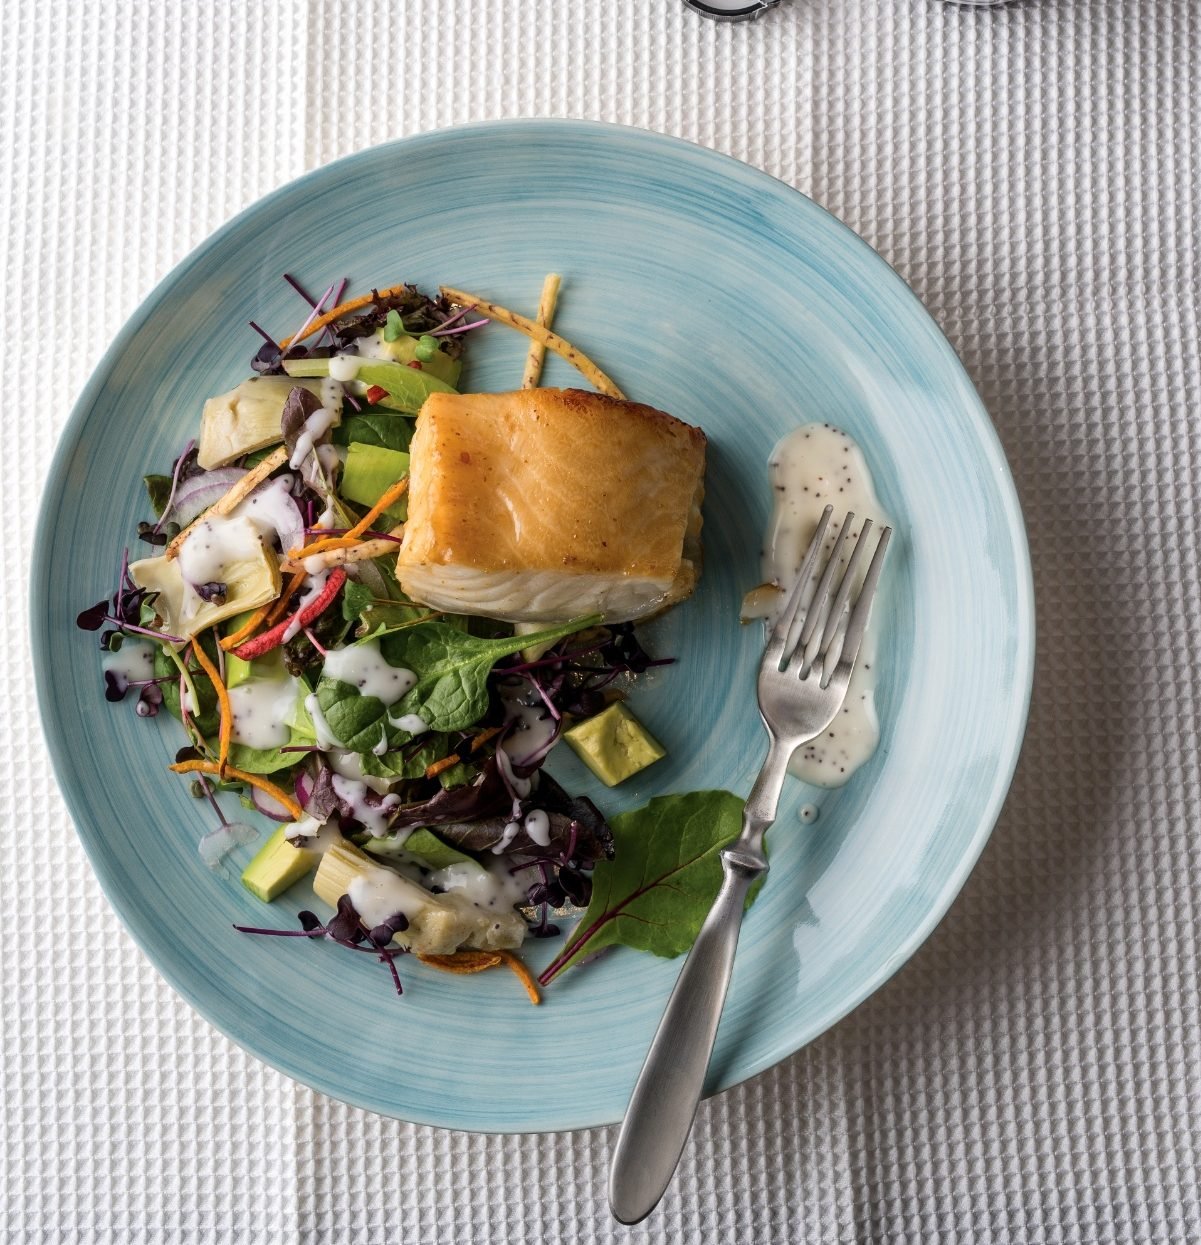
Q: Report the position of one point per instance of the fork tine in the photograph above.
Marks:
(861, 611)
(817, 607)
(844, 589)
(779, 634)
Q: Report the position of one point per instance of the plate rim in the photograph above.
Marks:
(990, 441)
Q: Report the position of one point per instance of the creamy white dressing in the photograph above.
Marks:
(313, 429)
(273, 511)
(537, 826)
(521, 786)
(325, 737)
(378, 894)
(411, 722)
(812, 467)
(487, 885)
(373, 814)
(510, 832)
(331, 393)
(349, 765)
(215, 545)
(533, 726)
(313, 835)
(132, 663)
(260, 707)
(363, 666)
(344, 367)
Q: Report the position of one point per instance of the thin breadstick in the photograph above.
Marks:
(240, 491)
(364, 551)
(552, 341)
(546, 313)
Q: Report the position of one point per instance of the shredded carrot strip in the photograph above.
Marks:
(432, 771)
(318, 546)
(279, 607)
(523, 975)
(227, 709)
(463, 961)
(266, 614)
(479, 961)
(552, 341)
(246, 630)
(243, 488)
(342, 309)
(254, 780)
(390, 497)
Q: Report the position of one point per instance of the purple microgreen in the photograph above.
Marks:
(304, 328)
(458, 315)
(281, 933)
(327, 330)
(214, 593)
(94, 617)
(308, 298)
(316, 643)
(262, 332)
(154, 635)
(150, 700)
(462, 328)
(179, 462)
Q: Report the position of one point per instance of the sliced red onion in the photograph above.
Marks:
(273, 508)
(269, 806)
(304, 788)
(197, 494)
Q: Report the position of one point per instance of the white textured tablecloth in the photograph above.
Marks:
(1035, 172)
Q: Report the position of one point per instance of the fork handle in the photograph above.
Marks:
(659, 1117)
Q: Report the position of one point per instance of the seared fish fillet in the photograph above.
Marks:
(544, 504)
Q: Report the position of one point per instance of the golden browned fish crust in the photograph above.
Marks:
(547, 503)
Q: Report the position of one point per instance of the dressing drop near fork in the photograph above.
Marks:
(803, 677)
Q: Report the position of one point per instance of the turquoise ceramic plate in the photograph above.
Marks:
(705, 288)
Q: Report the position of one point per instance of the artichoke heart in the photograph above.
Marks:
(247, 418)
(246, 577)
(437, 924)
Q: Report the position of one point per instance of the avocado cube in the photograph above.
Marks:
(370, 471)
(276, 866)
(237, 671)
(614, 744)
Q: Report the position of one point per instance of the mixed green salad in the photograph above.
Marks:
(400, 750)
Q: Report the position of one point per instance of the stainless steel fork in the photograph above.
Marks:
(803, 679)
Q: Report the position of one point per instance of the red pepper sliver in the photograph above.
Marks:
(269, 640)
(376, 394)
(415, 363)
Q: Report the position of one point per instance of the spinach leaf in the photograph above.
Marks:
(355, 599)
(655, 893)
(158, 489)
(451, 692)
(407, 764)
(265, 761)
(432, 851)
(452, 668)
(385, 428)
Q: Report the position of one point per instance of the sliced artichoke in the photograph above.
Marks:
(437, 924)
(247, 577)
(248, 418)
